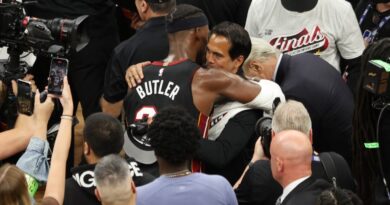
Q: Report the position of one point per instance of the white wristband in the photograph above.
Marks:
(269, 91)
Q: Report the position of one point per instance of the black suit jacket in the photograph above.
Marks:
(314, 82)
(306, 192)
(259, 187)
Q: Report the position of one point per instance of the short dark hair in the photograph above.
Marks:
(335, 196)
(174, 135)
(164, 8)
(104, 134)
(237, 36)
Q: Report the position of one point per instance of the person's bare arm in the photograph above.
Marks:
(55, 186)
(208, 85)
(16, 140)
(113, 109)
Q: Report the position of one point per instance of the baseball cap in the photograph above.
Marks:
(139, 148)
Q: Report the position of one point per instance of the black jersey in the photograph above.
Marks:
(162, 86)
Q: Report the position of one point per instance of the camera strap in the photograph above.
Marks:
(329, 165)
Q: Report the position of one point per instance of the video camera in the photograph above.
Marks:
(51, 36)
(20, 33)
(377, 81)
(24, 33)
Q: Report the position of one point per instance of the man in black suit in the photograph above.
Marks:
(259, 187)
(291, 157)
(315, 83)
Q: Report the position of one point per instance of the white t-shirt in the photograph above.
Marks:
(330, 26)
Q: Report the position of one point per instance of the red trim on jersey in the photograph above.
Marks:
(203, 125)
(161, 63)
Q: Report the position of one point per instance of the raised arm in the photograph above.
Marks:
(55, 186)
(211, 84)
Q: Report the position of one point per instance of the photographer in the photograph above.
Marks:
(258, 186)
(371, 124)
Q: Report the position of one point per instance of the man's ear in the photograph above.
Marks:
(144, 6)
(86, 149)
(238, 61)
(97, 194)
(311, 136)
(272, 133)
(279, 164)
(133, 189)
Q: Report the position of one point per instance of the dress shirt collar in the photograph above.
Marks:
(277, 67)
(292, 186)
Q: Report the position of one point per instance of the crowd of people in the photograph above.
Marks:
(174, 113)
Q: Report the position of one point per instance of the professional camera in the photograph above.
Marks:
(263, 128)
(18, 32)
(21, 33)
(51, 36)
(377, 81)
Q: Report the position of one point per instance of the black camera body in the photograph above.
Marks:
(20, 33)
(263, 128)
(377, 78)
(49, 36)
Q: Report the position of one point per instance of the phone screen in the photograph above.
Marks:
(58, 70)
(24, 98)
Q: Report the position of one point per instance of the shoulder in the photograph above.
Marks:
(214, 182)
(262, 4)
(337, 7)
(49, 201)
(261, 171)
(211, 78)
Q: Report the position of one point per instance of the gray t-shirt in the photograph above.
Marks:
(193, 189)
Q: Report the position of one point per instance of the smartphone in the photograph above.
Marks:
(58, 70)
(25, 103)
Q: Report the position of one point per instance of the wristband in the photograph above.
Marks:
(67, 117)
(269, 91)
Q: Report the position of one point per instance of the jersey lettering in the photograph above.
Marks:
(157, 87)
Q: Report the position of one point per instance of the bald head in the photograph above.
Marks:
(291, 155)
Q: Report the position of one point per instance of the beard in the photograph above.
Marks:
(201, 58)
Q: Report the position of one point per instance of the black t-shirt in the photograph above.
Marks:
(372, 20)
(150, 43)
(80, 188)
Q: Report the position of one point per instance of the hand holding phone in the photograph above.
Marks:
(58, 70)
(25, 103)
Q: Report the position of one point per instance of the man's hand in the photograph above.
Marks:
(29, 78)
(66, 99)
(42, 113)
(134, 74)
(258, 152)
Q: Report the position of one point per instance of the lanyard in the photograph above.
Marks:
(381, 24)
(369, 7)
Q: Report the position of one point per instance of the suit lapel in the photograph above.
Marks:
(298, 189)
